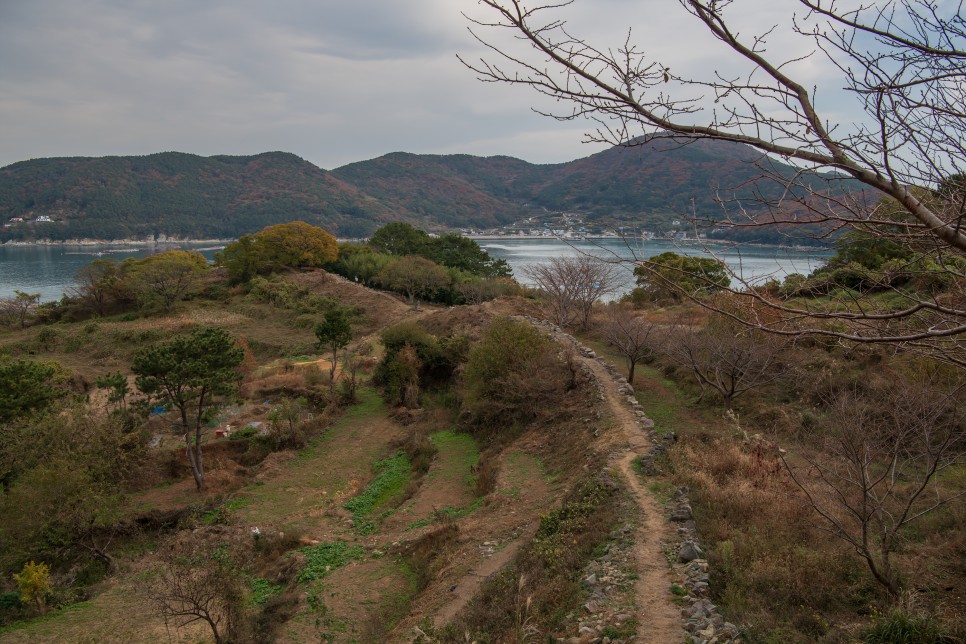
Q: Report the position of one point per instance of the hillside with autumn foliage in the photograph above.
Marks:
(191, 197)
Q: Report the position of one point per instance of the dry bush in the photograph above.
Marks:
(197, 582)
(724, 358)
(314, 376)
(629, 333)
(768, 561)
(884, 451)
(572, 285)
(485, 473)
(422, 554)
(277, 382)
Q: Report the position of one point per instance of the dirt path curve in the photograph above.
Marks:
(658, 619)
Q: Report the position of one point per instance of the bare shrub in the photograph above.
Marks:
(883, 452)
(629, 333)
(723, 356)
(193, 584)
(572, 285)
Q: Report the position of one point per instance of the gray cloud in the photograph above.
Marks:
(332, 81)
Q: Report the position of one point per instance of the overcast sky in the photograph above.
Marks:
(331, 81)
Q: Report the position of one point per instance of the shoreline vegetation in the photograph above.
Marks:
(168, 241)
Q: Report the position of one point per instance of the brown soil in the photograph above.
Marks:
(488, 539)
(657, 617)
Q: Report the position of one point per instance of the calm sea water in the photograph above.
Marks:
(751, 264)
(50, 270)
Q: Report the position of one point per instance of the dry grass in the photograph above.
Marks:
(773, 570)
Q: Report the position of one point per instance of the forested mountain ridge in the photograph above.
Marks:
(188, 196)
(648, 184)
(177, 194)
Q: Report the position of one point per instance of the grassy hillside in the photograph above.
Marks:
(492, 508)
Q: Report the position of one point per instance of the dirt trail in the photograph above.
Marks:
(657, 617)
(467, 587)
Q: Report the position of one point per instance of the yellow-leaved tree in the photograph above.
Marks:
(292, 245)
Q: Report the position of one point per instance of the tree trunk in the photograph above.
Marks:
(194, 458)
(630, 371)
(332, 369)
(884, 574)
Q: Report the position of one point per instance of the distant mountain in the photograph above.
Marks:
(188, 196)
(649, 184)
(455, 190)
(177, 194)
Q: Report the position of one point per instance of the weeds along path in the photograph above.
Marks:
(658, 618)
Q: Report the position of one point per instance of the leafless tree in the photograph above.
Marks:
(628, 332)
(96, 284)
(191, 585)
(572, 285)
(724, 357)
(904, 61)
(19, 307)
(884, 450)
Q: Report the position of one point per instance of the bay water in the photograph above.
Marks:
(751, 264)
(50, 270)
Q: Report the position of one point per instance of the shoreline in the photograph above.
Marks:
(635, 240)
(170, 241)
(167, 241)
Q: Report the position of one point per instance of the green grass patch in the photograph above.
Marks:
(520, 468)
(322, 559)
(392, 476)
(261, 590)
(666, 404)
(310, 480)
(900, 627)
(447, 512)
(663, 490)
(222, 514)
(52, 615)
(460, 453)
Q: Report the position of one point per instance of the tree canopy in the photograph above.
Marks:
(292, 245)
(25, 387)
(334, 332)
(164, 278)
(671, 277)
(417, 277)
(450, 250)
